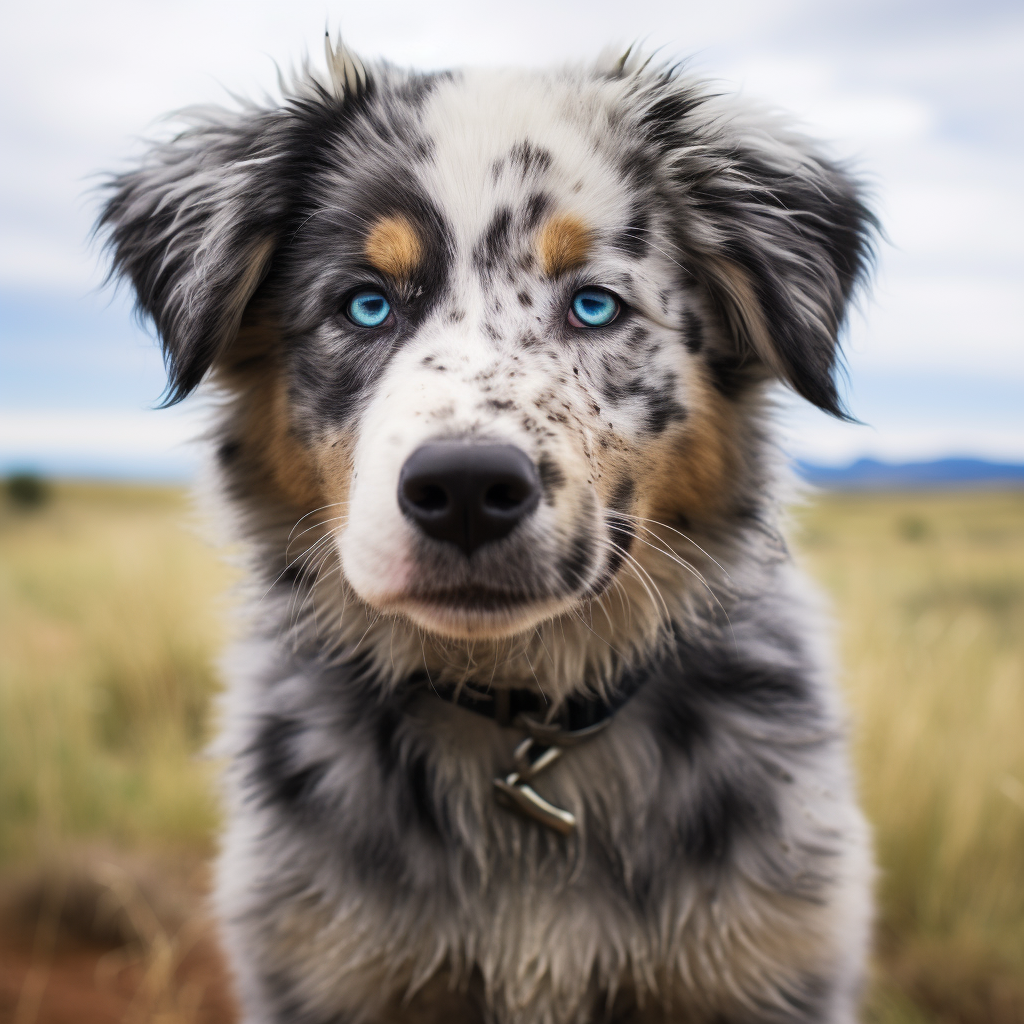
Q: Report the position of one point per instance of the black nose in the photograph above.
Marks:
(469, 494)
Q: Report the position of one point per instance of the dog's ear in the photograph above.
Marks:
(194, 229)
(778, 235)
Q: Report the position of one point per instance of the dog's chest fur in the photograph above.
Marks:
(717, 862)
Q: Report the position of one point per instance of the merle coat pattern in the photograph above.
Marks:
(719, 870)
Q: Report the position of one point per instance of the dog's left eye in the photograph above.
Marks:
(593, 307)
(368, 308)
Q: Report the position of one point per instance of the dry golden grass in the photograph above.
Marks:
(109, 626)
(111, 617)
(929, 597)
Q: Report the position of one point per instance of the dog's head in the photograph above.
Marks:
(486, 326)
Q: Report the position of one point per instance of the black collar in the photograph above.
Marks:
(577, 716)
(548, 733)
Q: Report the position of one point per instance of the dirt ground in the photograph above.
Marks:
(102, 940)
(101, 986)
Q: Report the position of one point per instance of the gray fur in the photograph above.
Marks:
(720, 870)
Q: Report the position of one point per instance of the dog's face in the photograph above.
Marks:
(506, 357)
(492, 324)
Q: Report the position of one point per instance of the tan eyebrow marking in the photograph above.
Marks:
(564, 243)
(394, 247)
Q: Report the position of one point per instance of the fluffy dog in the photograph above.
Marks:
(532, 724)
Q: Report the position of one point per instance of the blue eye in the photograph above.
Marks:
(368, 308)
(593, 307)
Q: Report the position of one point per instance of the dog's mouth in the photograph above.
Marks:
(477, 612)
(463, 617)
(474, 598)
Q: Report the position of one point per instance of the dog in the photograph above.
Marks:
(534, 722)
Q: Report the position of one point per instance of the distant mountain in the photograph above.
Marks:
(871, 475)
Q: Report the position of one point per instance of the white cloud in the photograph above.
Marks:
(943, 321)
(976, 222)
(813, 437)
(37, 259)
(810, 89)
(44, 434)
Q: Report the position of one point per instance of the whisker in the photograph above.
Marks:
(308, 593)
(426, 667)
(657, 522)
(683, 563)
(540, 639)
(600, 602)
(332, 504)
(576, 614)
(318, 579)
(639, 568)
(372, 622)
(316, 526)
(675, 557)
(624, 600)
(290, 563)
(304, 563)
(540, 689)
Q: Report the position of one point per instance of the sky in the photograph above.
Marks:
(924, 97)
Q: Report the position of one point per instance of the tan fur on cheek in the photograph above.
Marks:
(289, 467)
(394, 247)
(273, 460)
(335, 458)
(694, 474)
(563, 244)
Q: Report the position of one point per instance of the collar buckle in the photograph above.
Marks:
(543, 746)
(515, 792)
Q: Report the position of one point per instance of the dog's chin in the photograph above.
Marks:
(476, 617)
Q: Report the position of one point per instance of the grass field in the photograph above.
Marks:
(928, 593)
(112, 610)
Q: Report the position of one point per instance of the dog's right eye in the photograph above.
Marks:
(368, 308)
(593, 307)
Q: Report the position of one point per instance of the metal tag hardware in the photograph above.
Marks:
(544, 745)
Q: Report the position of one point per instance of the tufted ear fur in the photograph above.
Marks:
(194, 228)
(779, 236)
